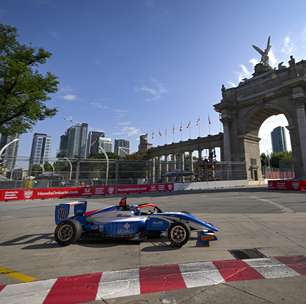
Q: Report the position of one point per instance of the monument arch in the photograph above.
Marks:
(244, 108)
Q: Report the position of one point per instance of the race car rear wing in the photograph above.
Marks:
(62, 210)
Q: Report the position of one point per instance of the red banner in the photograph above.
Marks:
(287, 185)
(46, 193)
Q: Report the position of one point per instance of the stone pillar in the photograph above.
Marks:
(183, 165)
(153, 170)
(301, 124)
(226, 138)
(191, 160)
(200, 154)
(177, 162)
(167, 166)
(159, 169)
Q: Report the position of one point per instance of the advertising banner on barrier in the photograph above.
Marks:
(47, 193)
(295, 185)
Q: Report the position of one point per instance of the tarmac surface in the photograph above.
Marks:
(272, 222)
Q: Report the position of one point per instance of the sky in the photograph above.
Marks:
(129, 67)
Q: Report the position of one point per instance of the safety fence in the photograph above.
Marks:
(63, 192)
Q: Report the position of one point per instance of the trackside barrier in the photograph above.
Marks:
(46, 193)
(296, 185)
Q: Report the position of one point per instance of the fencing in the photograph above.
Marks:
(94, 172)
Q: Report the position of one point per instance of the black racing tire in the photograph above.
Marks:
(68, 232)
(178, 235)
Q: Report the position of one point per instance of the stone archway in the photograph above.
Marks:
(244, 108)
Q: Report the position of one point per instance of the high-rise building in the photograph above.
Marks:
(106, 144)
(10, 153)
(63, 148)
(74, 142)
(144, 145)
(41, 148)
(93, 142)
(279, 140)
(122, 147)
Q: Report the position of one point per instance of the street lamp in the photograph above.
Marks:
(4, 147)
(70, 165)
(107, 163)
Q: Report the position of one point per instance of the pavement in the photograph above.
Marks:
(272, 222)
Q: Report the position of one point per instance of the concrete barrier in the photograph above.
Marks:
(216, 185)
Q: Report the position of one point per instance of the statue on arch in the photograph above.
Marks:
(264, 53)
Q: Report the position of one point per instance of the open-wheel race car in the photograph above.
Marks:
(132, 222)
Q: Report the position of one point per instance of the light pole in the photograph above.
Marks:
(5, 147)
(107, 163)
(70, 165)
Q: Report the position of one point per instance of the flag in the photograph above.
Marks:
(209, 122)
(198, 122)
(188, 125)
(181, 128)
(152, 135)
(160, 134)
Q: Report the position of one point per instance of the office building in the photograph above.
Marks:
(41, 149)
(93, 142)
(122, 147)
(144, 145)
(73, 143)
(10, 153)
(106, 144)
(279, 140)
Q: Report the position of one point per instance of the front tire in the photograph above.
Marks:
(178, 235)
(67, 232)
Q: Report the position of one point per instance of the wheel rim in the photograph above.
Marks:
(65, 233)
(178, 234)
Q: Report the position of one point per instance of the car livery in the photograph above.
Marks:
(133, 222)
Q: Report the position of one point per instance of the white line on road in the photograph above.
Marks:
(281, 207)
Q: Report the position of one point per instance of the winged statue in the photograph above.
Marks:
(264, 53)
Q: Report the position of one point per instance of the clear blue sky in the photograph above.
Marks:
(134, 66)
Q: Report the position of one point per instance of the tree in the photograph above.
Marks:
(23, 89)
(278, 158)
(48, 167)
(36, 170)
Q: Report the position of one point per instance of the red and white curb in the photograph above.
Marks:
(147, 279)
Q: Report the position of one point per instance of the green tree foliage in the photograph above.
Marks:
(23, 89)
(48, 167)
(276, 159)
(36, 170)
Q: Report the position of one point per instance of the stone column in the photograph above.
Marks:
(167, 166)
(191, 160)
(226, 138)
(200, 154)
(153, 170)
(301, 123)
(183, 165)
(159, 168)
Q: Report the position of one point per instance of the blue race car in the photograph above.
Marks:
(131, 222)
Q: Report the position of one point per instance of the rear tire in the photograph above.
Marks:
(68, 232)
(178, 235)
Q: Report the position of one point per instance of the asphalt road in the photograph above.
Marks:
(273, 222)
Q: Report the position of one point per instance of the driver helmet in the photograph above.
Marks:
(122, 202)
